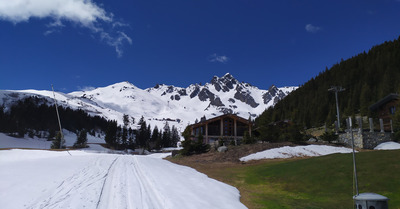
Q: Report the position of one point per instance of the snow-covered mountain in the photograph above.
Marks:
(179, 106)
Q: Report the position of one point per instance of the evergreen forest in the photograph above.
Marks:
(35, 116)
(366, 78)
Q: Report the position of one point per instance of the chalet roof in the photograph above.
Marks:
(383, 101)
(238, 118)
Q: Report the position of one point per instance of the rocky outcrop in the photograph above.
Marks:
(273, 93)
(207, 94)
(225, 83)
(245, 96)
(195, 91)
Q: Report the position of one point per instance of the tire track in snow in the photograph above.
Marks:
(126, 186)
(105, 188)
(82, 182)
(148, 189)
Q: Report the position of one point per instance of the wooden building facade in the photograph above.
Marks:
(225, 127)
(386, 109)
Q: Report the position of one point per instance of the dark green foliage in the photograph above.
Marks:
(58, 142)
(34, 113)
(191, 147)
(396, 124)
(186, 133)
(247, 139)
(155, 139)
(174, 136)
(126, 120)
(281, 131)
(367, 78)
(81, 139)
(166, 136)
(329, 136)
(124, 137)
(143, 134)
(111, 133)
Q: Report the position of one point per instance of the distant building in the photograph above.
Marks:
(386, 109)
(228, 127)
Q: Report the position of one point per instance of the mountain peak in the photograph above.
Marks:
(224, 83)
(272, 88)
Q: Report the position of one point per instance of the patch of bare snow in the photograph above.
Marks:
(388, 146)
(299, 151)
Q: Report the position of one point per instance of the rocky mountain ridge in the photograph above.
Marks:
(162, 103)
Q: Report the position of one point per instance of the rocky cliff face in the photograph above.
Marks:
(226, 94)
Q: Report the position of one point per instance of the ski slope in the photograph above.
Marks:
(47, 179)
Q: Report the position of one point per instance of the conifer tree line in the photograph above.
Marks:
(143, 137)
(35, 116)
(367, 78)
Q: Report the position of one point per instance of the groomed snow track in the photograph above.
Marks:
(47, 180)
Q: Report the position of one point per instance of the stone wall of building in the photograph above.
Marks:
(372, 139)
(345, 138)
(364, 140)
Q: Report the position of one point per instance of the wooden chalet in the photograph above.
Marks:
(227, 127)
(386, 109)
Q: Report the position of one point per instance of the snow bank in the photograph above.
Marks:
(299, 151)
(47, 179)
(159, 155)
(388, 146)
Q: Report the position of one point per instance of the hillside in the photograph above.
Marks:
(367, 78)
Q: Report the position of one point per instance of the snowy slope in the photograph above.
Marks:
(179, 106)
(44, 179)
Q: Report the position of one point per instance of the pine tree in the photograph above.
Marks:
(174, 136)
(154, 143)
(111, 133)
(166, 136)
(58, 142)
(125, 119)
(81, 139)
(124, 137)
(142, 134)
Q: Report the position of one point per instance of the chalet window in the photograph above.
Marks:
(392, 110)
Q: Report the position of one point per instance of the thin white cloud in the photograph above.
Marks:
(312, 29)
(218, 58)
(116, 41)
(85, 88)
(84, 13)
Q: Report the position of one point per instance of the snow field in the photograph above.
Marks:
(299, 151)
(46, 179)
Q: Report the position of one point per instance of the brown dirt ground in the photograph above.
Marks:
(231, 156)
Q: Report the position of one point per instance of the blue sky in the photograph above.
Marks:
(81, 44)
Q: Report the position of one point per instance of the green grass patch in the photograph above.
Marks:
(319, 182)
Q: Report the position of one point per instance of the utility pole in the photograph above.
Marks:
(337, 89)
(58, 117)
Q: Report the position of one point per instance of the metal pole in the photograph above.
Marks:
(58, 116)
(337, 89)
(337, 109)
(354, 157)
